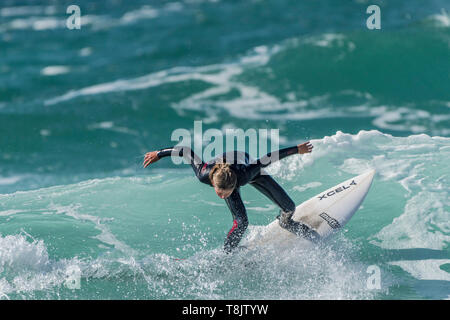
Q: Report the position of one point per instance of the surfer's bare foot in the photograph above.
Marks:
(150, 157)
(305, 147)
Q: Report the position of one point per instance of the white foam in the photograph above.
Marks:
(27, 11)
(4, 287)
(254, 103)
(109, 125)
(441, 19)
(17, 254)
(173, 6)
(268, 208)
(35, 23)
(25, 266)
(39, 18)
(145, 12)
(418, 163)
(251, 104)
(218, 75)
(45, 132)
(423, 212)
(105, 236)
(326, 40)
(10, 180)
(85, 52)
(315, 272)
(55, 70)
(102, 125)
(425, 269)
(10, 212)
(307, 186)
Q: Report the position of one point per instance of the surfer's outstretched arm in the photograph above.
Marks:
(272, 157)
(283, 153)
(177, 151)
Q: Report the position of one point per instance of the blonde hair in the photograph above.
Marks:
(222, 176)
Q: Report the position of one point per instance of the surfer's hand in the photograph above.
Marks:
(305, 147)
(150, 157)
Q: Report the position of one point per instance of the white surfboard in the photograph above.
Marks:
(327, 212)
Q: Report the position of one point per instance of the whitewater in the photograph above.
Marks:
(81, 219)
(125, 242)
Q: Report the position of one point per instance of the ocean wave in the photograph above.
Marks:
(40, 18)
(10, 180)
(441, 19)
(215, 74)
(25, 266)
(27, 11)
(33, 23)
(29, 272)
(410, 195)
(247, 88)
(417, 163)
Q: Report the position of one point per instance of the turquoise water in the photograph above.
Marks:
(79, 109)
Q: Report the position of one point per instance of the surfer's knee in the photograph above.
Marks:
(284, 201)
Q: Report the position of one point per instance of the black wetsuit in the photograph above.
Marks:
(247, 171)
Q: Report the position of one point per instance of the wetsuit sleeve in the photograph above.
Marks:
(275, 156)
(185, 152)
(270, 158)
(240, 220)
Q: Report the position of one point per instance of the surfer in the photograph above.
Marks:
(235, 169)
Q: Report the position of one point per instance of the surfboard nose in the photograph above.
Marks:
(369, 173)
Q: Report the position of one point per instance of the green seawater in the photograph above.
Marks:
(80, 108)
